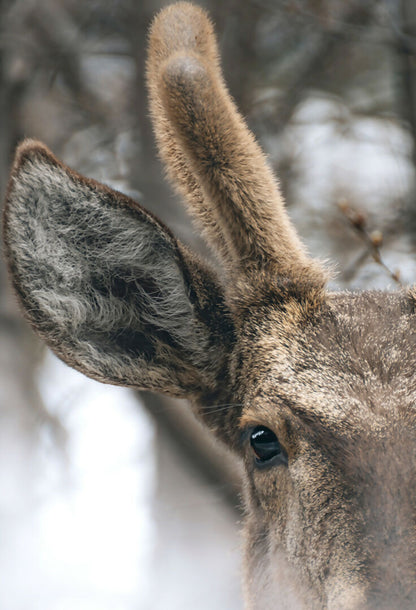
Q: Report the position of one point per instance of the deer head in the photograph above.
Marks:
(320, 386)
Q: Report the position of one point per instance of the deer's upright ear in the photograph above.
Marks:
(107, 286)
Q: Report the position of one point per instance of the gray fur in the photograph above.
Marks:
(102, 281)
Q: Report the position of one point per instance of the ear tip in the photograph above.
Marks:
(31, 159)
(29, 150)
(178, 27)
(184, 13)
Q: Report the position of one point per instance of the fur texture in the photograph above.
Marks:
(205, 141)
(104, 283)
(262, 343)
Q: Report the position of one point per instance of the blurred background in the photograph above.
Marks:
(117, 500)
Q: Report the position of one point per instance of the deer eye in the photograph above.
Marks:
(266, 446)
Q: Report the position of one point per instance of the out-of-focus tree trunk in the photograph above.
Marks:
(20, 404)
(213, 463)
(407, 50)
(148, 176)
(236, 24)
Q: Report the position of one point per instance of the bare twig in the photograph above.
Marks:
(372, 240)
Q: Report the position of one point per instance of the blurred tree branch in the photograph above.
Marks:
(58, 39)
(11, 90)
(372, 242)
(324, 46)
(20, 402)
(213, 462)
(408, 55)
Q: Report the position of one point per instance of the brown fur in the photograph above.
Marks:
(261, 343)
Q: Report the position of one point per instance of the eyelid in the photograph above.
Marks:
(281, 458)
(248, 422)
(244, 436)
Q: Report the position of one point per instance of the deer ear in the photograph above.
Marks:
(107, 286)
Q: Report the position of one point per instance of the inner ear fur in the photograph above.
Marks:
(107, 285)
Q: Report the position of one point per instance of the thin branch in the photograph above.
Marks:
(372, 240)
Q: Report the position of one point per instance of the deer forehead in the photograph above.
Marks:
(348, 365)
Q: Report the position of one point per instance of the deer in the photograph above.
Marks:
(313, 389)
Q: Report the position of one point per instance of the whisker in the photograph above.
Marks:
(218, 408)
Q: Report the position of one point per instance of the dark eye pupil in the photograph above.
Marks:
(264, 443)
